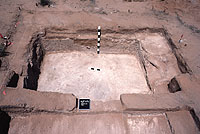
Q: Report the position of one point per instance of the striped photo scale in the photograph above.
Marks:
(99, 39)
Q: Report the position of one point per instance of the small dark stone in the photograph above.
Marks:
(45, 2)
(173, 86)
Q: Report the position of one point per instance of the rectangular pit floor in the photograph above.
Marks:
(88, 75)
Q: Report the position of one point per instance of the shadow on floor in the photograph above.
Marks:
(4, 122)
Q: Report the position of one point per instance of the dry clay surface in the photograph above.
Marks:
(72, 73)
(112, 14)
(160, 62)
(105, 123)
(106, 76)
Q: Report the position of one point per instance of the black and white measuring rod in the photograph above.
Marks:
(99, 39)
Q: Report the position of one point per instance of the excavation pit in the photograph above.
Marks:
(130, 61)
(112, 75)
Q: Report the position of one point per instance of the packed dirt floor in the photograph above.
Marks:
(145, 80)
(106, 84)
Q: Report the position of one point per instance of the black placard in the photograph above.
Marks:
(84, 104)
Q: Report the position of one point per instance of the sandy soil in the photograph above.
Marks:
(177, 17)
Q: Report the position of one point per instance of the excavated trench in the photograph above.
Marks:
(138, 61)
(36, 54)
(142, 61)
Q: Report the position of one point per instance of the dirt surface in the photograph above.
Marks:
(117, 74)
(160, 39)
(109, 123)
